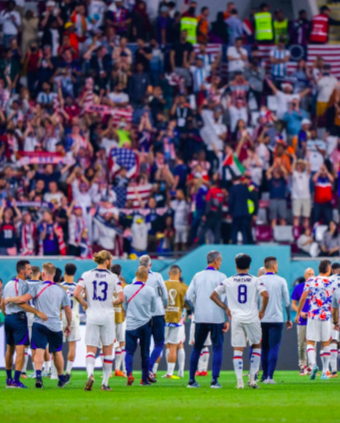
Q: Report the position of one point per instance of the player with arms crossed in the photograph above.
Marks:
(319, 290)
(242, 292)
(100, 285)
(70, 286)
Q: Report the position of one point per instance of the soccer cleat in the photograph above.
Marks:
(240, 384)
(151, 378)
(39, 383)
(32, 376)
(89, 384)
(303, 371)
(144, 383)
(46, 374)
(23, 376)
(67, 378)
(324, 376)
(333, 375)
(328, 373)
(54, 377)
(130, 380)
(18, 385)
(9, 383)
(215, 385)
(180, 374)
(193, 384)
(201, 373)
(263, 379)
(62, 383)
(119, 373)
(270, 382)
(313, 372)
(106, 388)
(170, 376)
(253, 385)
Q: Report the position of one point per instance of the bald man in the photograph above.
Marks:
(302, 325)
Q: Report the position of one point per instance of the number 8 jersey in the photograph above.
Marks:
(242, 292)
(100, 286)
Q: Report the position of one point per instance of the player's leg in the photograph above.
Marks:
(275, 334)
(131, 346)
(71, 355)
(238, 342)
(217, 339)
(9, 364)
(122, 348)
(254, 335)
(33, 375)
(158, 329)
(301, 334)
(313, 335)
(201, 333)
(334, 353)
(181, 359)
(24, 368)
(325, 332)
(172, 358)
(47, 363)
(55, 342)
(265, 350)
(107, 366)
(145, 338)
(92, 342)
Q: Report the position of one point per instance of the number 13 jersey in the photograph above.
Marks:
(242, 292)
(100, 285)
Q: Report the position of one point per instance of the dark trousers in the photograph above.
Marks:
(324, 211)
(213, 222)
(142, 333)
(201, 333)
(240, 224)
(271, 340)
(158, 332)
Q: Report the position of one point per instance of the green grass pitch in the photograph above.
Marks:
(293, 399)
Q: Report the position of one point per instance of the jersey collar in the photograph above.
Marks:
(269, 273)
(210, 268)
(139, 283)
(243, 274)
(50, 282)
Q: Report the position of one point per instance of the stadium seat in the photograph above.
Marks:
(319, 231)
(264, 233)
(283, 233)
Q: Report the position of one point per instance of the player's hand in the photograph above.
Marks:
(42, 316)
(84, 306)
(303, 315)
(7, 300)
(228, 313)
(289, 324)
(337, 327)
(226, 327)
(261, 315)
(297, 319)
(67, 331)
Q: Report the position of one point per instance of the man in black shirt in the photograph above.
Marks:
(143, 55)
(180, 56)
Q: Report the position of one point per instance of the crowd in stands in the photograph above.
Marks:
(134, 133)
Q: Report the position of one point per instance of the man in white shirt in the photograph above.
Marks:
(325, 86)
(118, 97)
(272, 323)
(237, 58)
(209, 317)
(214, 132)
(316, 151)
(11, 22)
(242, 292)
(301, 192)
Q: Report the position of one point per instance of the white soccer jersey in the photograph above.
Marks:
(70, 288)
(241, 291)
(100, 285)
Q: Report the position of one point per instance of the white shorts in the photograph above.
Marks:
(74, 335)
(181, 234)
(241, 332)
(173, 335)
(100, 335)
(120, 332)
(318, 330)
(182, 334)
(335, 335)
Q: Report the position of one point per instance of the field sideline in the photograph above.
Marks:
(293, 399)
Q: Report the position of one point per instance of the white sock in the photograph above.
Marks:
(102, 357)
(53, 370)
(107, 368)
(33, 365)
(24, 369)
(90, 363)
(123, 360)
(254, 363)
(118, 358)
(69, 367)
(334, 357)
(311, 355)
(238, 363)
(171, 368)
(181, 361)
(325, 358)
(205, 359)
(155, 368)
(47, 366)
(167, 350)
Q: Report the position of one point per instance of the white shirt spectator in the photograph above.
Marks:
(300, 185)
(8, 25)
(48, 197)
(239, 64)
(326, 86)
(211, 131)
(108, 144)
(283, 102)
(118, 98)
(97, 7)
(315, 158)
(181, 209)
(30, 143)
(237, 114)
(139, 232)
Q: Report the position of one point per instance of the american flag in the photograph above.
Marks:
(141, 191)
(123, 157)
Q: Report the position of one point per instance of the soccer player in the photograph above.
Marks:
(272, 322)
(120, 328)
(74, 336)
(35, 278)
(48, 298)
(335, 310)
(173, 316)
(100, 285)
(335, 333)
(241, 292)
(319, 290)
(208, 316)
(140, 305)
(156, 281)
(16, 329)
(302, 325)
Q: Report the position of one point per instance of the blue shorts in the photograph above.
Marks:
(16, 329)
(42, 335)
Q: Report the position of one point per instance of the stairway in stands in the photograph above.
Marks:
(334, 32)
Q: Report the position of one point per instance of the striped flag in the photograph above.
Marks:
(234, 165)
(139, 191)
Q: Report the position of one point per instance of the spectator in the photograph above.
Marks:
(255, 75)
(263, 23)
(277, 181)
(301, 196)
(163, 26)
(300, 29)
(316, 150)
(293, 119)
(279, 57)
(235, 27)
(49, 235)
(29, 31)
(323, 181)
(219, 30)
(140, 24)
(53, 194)
(11, 23)
(180, 57)
(8, 231)
(237, 58)
(330, 245)
(181, 212)
(138, 84)
(307, 244)
(203, 25)
(238, 208)
(189, 22)
(320, 26)
(325, 87)
(281, 27)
